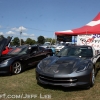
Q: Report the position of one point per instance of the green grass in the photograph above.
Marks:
(26, 84)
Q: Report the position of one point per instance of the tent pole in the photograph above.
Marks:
(86, 34)
(74, 40)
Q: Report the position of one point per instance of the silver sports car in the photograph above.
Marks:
(72, 66)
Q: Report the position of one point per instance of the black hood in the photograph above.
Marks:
(3, 43)
(61, 65)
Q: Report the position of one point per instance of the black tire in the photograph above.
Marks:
(92, 77)
(97, 67)
(16, 68)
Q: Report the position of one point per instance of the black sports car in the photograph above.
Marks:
(21, 57)
(72, 66)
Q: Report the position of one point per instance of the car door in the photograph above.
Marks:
(41, 53)
(34, 57)
(37, 54)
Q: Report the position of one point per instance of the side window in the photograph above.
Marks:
(34, 49)
(41, 49)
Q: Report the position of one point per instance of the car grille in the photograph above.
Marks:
(56, 80)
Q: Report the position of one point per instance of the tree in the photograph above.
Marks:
(9, 37)
(22, 41)
(15, 41)
(52, 41)
(41, 40)
(30, 41)
(48, 39)
(1, 36)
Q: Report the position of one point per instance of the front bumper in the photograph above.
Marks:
(78, 80)
(5, 69)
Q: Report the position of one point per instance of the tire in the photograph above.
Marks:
(97, 67)
(16, 68)
(92, 78)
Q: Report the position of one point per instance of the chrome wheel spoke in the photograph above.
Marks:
(93, 76)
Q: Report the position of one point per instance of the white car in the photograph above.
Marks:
(62, 45)
(46, 45)
(59, 47)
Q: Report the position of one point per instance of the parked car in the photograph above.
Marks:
(59, 47)
(62, 45)
(72, 66)
(21, 57)
(46, 45)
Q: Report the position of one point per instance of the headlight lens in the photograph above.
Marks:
(82, 68)
(4, 63)
(39, 65)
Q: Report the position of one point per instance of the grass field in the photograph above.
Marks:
(24, 87)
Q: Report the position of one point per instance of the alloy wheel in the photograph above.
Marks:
(92, 77)
(17, 68)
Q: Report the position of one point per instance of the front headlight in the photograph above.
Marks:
(44, 63)
(39, 65)
(4, 63)
(82, 68)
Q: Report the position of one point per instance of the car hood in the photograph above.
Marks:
(3, 43)
(61, 65)
(6, 57)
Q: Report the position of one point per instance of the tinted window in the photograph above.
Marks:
(19, 50)
(34, 49)
(76, 51)
(41, 48)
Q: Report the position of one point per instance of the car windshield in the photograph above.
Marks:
(76, 51)
(19, 50)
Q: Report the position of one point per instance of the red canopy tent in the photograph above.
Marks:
(92, 27)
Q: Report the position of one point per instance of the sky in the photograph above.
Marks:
(36, 18)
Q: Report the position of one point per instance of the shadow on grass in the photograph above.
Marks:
(29, 68)
(61, 88)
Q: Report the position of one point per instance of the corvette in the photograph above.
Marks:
(20, 58)
(72, 66)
